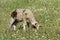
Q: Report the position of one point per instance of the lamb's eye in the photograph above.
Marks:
(35, 23)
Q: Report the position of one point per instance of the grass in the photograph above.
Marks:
(46, 12)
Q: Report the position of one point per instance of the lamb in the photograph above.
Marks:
(23, 15)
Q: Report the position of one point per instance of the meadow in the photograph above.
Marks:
(46, 12)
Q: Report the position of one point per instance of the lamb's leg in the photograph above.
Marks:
(14, 24)
(24, 24)
(14, 27)
(10, 23)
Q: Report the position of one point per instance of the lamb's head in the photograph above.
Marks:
(36, 25)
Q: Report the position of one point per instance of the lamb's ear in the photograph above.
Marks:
(14, 14)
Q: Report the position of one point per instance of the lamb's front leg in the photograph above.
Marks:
(11, 23)
(24, 24)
